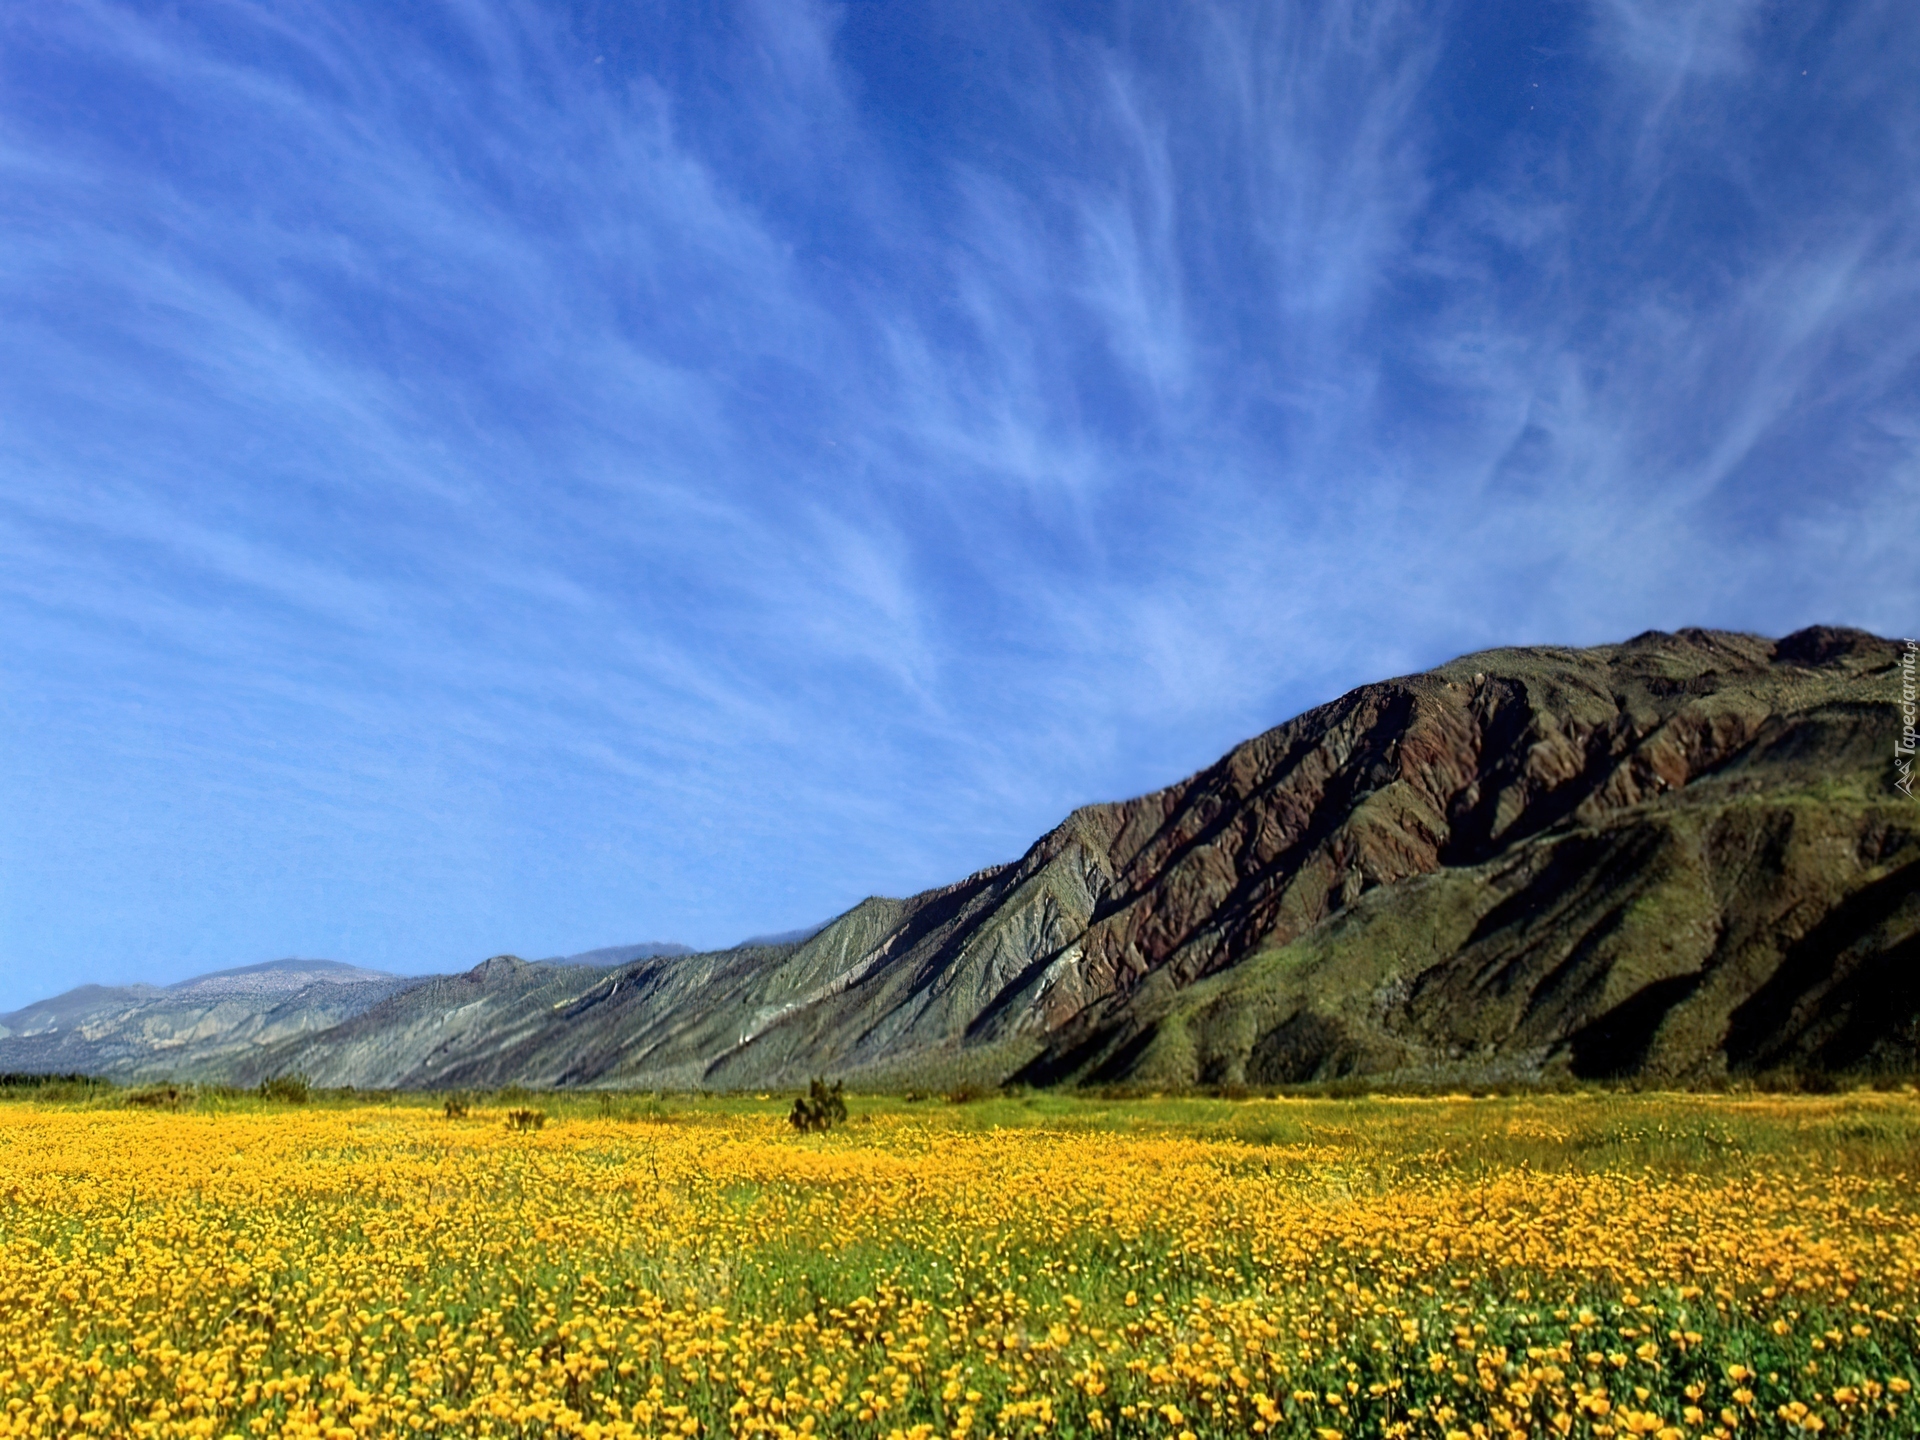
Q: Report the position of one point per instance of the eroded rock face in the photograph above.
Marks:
(1391, 781)
(1734, 887)
(1123, 906)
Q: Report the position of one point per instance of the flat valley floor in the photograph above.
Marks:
(1592, 1265)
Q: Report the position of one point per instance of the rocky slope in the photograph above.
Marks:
(1717, 876)
(1678, 855)
(232, 1022)
(130, 1032)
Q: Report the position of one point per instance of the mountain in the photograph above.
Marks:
(509, 1021)
(208, 1026)
(134, 1031)
(1675, 857)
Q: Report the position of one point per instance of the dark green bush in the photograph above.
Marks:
(14, 1080)
(286, 1089)
(162, 1097)
(821, 1108)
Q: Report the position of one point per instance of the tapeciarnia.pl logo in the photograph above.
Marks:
(1903, 751)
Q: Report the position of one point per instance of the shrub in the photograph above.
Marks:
(821, 1108)
(286, 1089)
(162, 1097)
(15, 1080)
(456, 1107)
(526, 1119)
(52, 1089)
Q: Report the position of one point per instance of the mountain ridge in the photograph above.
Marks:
(203, 1023)
(134, 1032)
(1680, 856)
(1455, 790)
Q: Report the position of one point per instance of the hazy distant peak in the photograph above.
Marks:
(289, 974)
(130, 1030)
(269, 978)
(622, 954)
(90, 991)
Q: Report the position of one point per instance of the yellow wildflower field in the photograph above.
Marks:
(1592, 1266)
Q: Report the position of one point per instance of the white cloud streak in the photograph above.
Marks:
(507, 482)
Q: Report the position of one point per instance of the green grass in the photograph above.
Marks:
(1607, 1127)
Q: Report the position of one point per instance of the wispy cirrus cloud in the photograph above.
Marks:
(519, 476)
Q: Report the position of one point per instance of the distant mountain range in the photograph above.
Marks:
(194, 1027)
(132, 1031)
(1675, 858)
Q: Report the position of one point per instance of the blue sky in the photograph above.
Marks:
(485, 478)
